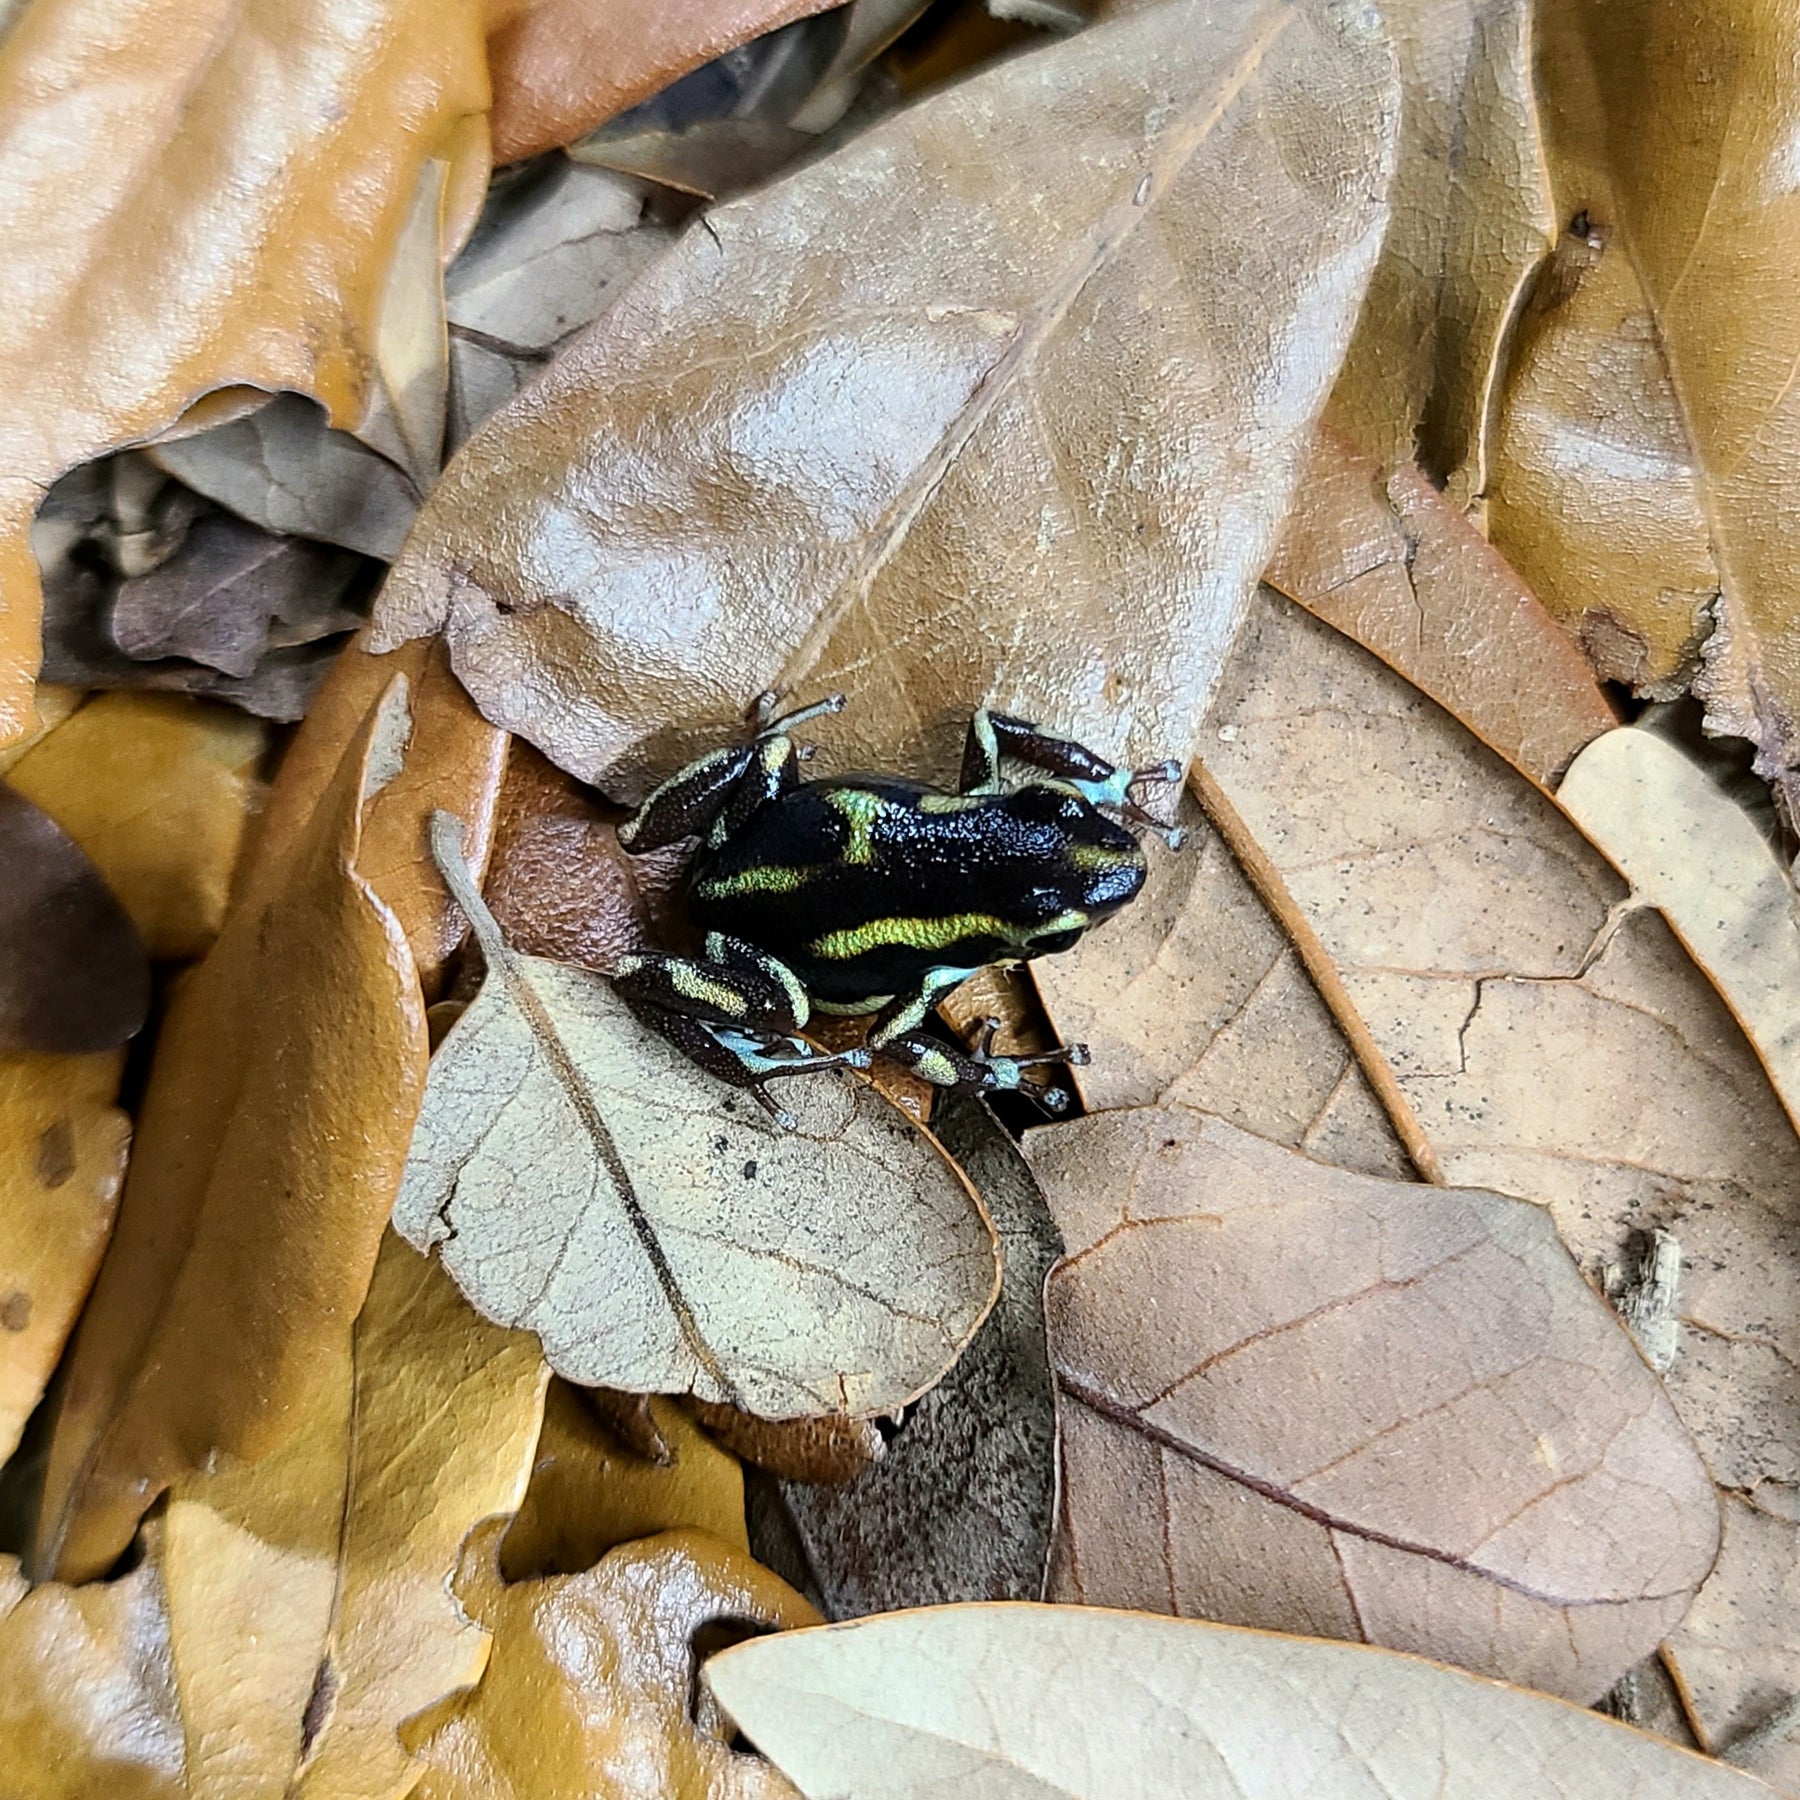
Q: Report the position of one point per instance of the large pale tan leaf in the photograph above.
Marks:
(158, 791)
(1644, 476)
(88, 1706)
(1006, 1701)
(1688, 850)
(1541, 1044)
(1472, 220)
(1390, 562)
(561, 67)
(286, 1079)
(62, 1162)
(201, 195)
(934, 421)
(1310, 1400)
(658, 1231)
(593, 1684)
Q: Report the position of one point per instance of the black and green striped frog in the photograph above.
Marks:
(875, 894)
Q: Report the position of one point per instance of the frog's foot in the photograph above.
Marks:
(1162, 774)
(769, 723)
(979, 1071)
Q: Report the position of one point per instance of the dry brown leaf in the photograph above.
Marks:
(1643, 480)
(593, 1677)
(73, 975)
(202, 134)
(1472, 222)
(1309, 1400)
(286, 1080)
(677, 1240)
(561, 67)
(591, 1493)
(1541, 1044)
(88, 1707)
(962, 1504)
(62, 1161)
(158, 791)
(1023, 1701)
(811, 1450)
(1196, 996)
(1390, 562)
(818, 445)
(1698, 858)
(453, 758)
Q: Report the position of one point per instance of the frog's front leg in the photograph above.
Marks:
(734, 1012)
(995, 735)
(897, 1036)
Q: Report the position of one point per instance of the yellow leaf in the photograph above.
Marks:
(285, 1082)
(197, 194)
(62, 1162)
(158, 791)
(589, 1493)
(589, 1688)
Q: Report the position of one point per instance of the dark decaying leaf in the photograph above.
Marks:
(961, 1506)
(231, 594)
(73, 974)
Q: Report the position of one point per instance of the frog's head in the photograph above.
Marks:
(1094, 866)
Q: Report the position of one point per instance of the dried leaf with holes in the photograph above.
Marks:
(676, 1239)
(62, 1162)
(820, 445)
(1644, 472)
(287, 1076)
(159, 792)
(1534, 1040)
(1028, 1700)
(73, 975)
(1314, 1401)
(199, 134)
(594, 1679)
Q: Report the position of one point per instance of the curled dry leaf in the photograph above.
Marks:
(308, 1592)
(453, 757)
(234, 122)
(89, 1704)
(1695, 856)
(285, 469)
(1644, 475)
(819, 445)
(1028, 1700)
(62, 1161)
(1390, 562)
(593, 1680)
(591, 1492)
(158, 791)
(1472, 222)
(286, 1079)
(1542, 1043)
(1310, 1400)
(828, 1450)
(962, 1504)
(675, 1239)
(561, 67)
(73, 975)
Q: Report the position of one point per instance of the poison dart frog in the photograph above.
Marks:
(875, 894)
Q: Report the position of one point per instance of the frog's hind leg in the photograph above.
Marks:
(734, 985)
(897, 1035)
